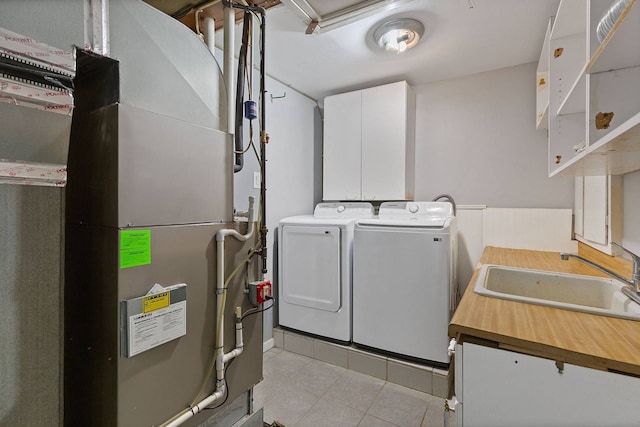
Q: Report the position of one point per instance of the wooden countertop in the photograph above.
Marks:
(590, 340)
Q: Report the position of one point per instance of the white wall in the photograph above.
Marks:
(292, 173)
(476, 140)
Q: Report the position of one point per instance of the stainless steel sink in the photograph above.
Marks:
(588, 294)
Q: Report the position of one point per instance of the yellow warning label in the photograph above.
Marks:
(155, 302)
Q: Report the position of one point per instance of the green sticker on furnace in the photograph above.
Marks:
(135, 248)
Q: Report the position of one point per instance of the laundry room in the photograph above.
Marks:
(310, 213)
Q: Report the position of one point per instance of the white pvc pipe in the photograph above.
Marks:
(196, 408)
(210, 33)
(221, 296)
(229, 23)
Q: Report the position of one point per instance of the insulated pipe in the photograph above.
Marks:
(209, 33)
(228, 66)
(242, 64)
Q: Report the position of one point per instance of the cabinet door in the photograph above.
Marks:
(384, 136)
(578, 206)
(341, 167)
(504, 388)
(598, 211)
(595, 209)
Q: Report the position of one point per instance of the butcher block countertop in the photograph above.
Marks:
(599, 342)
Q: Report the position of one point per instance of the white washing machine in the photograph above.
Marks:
(404, 279)
(315, 269)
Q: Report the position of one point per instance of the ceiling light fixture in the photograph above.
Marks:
(399, 35)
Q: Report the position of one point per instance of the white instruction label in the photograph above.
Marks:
(148, 330)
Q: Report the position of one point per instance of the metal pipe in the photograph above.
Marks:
(229, 41)
(263, 125)
(263, 145)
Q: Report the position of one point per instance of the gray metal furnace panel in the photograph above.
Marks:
(171, 171)
(104, 388)
(132, 167)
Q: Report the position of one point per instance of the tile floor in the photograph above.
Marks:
(298, 391)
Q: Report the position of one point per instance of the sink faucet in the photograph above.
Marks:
(632, 290)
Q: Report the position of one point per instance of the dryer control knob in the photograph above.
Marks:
(340, 208)
(413, 208)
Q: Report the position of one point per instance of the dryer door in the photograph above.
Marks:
(310, 274)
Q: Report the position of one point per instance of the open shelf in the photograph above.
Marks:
(617, 153)
(594, 114)
(620, 48)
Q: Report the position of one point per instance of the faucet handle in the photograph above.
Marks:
(635, 257)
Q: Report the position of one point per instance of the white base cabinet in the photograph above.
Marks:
(368, 149)
(497, 387)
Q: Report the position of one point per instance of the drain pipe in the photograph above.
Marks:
(209, 33)
(221, 298)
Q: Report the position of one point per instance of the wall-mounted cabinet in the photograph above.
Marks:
(542, 83)
(369, 139)
(594, 88)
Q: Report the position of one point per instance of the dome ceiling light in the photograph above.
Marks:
(398, 35)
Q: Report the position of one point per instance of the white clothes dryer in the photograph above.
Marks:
(315, 269)
(404, 279)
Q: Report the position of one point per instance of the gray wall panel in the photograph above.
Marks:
(31, 233)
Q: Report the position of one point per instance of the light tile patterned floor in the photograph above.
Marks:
(298, 391)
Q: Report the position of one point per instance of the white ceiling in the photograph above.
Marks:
(459, 40)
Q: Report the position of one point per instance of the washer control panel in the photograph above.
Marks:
(344, 210)
(415, 210)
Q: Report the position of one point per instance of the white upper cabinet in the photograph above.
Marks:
(341, 165)
(369, 139)
(593, 89)
(542, 85)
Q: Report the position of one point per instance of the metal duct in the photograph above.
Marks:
(165, 67)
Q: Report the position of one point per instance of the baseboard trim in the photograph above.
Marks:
(268, 345)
